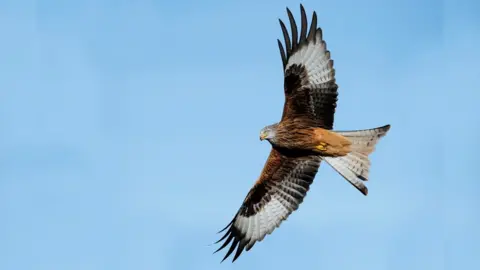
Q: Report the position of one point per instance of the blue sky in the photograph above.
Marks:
(129, 134)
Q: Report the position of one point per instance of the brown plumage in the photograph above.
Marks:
(300, 137)
(300, 141)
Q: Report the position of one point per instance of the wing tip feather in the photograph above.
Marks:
(293, 41)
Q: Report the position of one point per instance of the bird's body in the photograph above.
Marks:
(295, 135)
(301, 140)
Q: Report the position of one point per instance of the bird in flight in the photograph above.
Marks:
(300, 141)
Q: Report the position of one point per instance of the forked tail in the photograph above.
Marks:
(354, 167)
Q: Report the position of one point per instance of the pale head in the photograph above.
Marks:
(268, 133)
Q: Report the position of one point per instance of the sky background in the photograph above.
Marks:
(129, 134)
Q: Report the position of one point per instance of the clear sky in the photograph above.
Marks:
(129, 134)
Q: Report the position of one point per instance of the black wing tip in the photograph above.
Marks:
(293, 42)
(293, 29)
(238, 242)
(290, 15)
(226, 227)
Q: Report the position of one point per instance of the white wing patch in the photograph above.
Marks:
(256, 227)
(316, 60)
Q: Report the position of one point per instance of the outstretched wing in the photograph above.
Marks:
(281, 188)
(310, 87)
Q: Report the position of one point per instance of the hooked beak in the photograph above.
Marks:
(263, 136)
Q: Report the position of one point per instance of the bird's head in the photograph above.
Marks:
(268, 133)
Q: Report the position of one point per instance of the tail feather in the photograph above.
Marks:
(355, 166)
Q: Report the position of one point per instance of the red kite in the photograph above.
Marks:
(300, 141)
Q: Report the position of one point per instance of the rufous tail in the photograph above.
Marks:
(355, 166)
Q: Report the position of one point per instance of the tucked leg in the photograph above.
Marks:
(322, 147)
